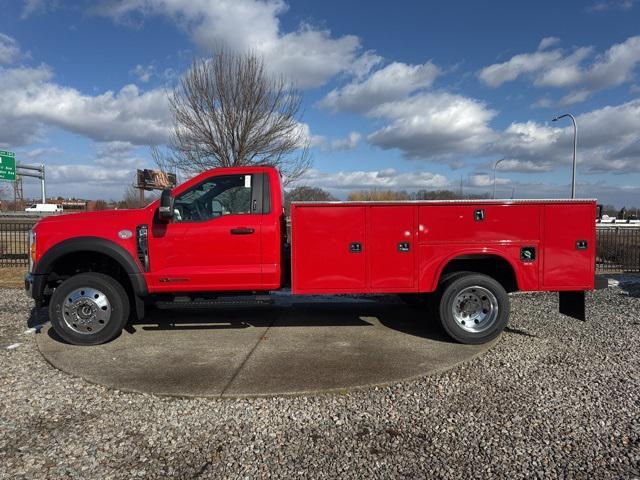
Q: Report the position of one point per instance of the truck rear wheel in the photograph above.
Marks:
(89, 309)
(474, 308)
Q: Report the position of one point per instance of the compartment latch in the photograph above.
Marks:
(355, 247)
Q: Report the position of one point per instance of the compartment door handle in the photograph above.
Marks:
(355, 247)
(404, 246)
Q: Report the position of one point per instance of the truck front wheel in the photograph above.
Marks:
(89, 309)
(474, 308)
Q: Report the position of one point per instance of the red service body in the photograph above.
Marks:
(404, 247)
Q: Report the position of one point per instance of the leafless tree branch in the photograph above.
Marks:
(228, 111)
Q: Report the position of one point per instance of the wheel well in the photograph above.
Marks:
(492, 265)
(87, 261)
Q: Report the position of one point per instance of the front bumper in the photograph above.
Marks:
(34, 286)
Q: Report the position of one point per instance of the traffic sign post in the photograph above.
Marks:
(7, 166)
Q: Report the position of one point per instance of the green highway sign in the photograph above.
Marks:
(7, 166)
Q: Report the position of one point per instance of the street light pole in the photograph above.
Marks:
(575, 149)
(494, 177)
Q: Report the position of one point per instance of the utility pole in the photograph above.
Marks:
(494, 177)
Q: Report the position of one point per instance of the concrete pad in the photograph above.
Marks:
(298, 345)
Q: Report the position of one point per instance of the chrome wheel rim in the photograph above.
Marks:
(86, 310)
(475, 309)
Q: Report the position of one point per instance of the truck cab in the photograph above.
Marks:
(224, 232)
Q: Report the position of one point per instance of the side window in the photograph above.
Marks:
(214, 197)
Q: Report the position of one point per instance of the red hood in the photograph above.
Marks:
(127, 215)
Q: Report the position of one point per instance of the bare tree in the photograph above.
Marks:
(304, 193)
(131, 198)
(228, 111)
(4, 194)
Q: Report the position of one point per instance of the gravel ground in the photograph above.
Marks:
(554, 398)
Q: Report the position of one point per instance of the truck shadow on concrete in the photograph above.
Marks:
(398, 317)
(392, 316)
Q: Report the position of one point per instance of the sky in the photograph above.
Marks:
(403, 95)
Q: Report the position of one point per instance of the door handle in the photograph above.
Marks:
(242, 231)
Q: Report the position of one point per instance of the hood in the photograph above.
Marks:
(102, 215)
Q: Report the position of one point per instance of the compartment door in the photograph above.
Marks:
(391, 247)
(569, 246)
(329, 249)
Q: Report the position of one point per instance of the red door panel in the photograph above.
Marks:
(566, 266)
(390, 240)
(322, 258)
(208, 255)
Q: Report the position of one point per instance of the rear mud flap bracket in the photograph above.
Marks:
(572, 304)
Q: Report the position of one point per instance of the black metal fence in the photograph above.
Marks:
(14, 241)
(618, 248)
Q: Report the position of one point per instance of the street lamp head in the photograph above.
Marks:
(558, 117)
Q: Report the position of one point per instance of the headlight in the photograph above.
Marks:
(32, 249)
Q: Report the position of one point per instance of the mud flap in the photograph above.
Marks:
(572, 304)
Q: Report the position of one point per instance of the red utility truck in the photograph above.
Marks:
(224, 233)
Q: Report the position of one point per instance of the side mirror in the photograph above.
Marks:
(165, 212)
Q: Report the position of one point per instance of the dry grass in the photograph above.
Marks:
(12, 277)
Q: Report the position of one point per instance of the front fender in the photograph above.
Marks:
(89, 244)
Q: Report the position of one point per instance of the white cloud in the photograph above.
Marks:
(387, 179)
(9, 50)
(499, 73)
(524, 166)
(30, 100)
(611, 5)
(393, 82)
(37, 154)
(37, 6)
(432, 125)
(547, 42)
(364, 64)
(486, 180)
(309, 56)
(348, 143)
(105, 174)
(143, 72)
(85, 181)
(118, 155)
(559, 69)
(607, 142)
(614, 67)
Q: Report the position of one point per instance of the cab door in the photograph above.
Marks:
(213, 241)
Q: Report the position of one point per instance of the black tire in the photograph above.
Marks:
(111, 323)
(489, 297)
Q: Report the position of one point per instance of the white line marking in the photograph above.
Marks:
(14, 345)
